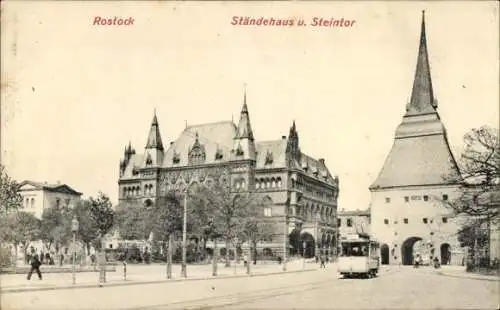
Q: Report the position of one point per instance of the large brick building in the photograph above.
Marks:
(298, 192)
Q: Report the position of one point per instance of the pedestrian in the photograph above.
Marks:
(322, 265)
(35, 266)
(245, 261)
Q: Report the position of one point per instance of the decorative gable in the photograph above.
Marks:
(197, 153)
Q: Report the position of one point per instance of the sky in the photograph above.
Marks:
(74, 94)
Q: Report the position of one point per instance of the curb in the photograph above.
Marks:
(468, 277)
(67, 287)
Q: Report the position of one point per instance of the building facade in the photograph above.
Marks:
(352, 222)
(419, 175)
(298, 193)
(39, 196)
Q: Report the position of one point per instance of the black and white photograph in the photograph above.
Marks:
(249, 155)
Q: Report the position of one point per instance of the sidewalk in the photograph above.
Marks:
(459, 271)
(139, 274)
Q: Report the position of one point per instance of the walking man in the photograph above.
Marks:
(35, 266)
(322, 258)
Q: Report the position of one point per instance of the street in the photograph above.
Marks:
(395, 287)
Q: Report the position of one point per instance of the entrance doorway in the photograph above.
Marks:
(384, 253)
(445, 254)
(308, 240)
(407, 250)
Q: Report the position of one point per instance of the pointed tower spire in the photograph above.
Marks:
(292, 146)
(154, 138)
(422, 95)
(244, 146)
(244, 127)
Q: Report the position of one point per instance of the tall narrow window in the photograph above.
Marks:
(407, 198)
(386, 221)
(405, 221)
(32, 202)
(349, 222)
(426, 198)
(387, 199)
(445, 197)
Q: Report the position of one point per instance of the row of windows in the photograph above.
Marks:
(27, 203)
(326, 214)
(416, 197)
(268, 183)
(425, 220)
(316, 191)
(349, 222)
(136, 190)
(58, 202)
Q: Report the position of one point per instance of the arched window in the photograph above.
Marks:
(243, 183)
(268, 185)
(278, 182)
(273, 183)
(32, 202)
(257, 183)
(26, 205)
(237, 184)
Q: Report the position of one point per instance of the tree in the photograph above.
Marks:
(132, 220)
(227, 213)
(480, 170)
(102, 216)
(479, 201)
(255, 228)
(10, 199)
(56, 226)
(19, 228)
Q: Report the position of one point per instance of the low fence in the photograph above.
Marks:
(57, 269)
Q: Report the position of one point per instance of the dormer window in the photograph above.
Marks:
(218, 154)
(269, 158)
(149, 160)
(197, 153)
(239, 151)
(177, 158)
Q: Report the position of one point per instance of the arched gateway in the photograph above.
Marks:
(407, 250)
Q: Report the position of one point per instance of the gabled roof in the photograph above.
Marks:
(277, 149)
(59, 188)
(212, 136)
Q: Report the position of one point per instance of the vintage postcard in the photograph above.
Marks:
(249, 155)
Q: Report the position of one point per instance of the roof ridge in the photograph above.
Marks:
(210, 123)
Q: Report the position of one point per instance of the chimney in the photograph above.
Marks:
(322, 161)
(283, 137)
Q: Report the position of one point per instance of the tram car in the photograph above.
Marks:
(359, 257)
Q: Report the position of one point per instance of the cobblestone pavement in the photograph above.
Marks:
(394, 288)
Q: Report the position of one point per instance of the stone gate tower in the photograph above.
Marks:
(418, 176)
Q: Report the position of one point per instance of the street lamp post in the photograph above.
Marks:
(74, 229)
(184, 224)
(304, 244)
(235, 249)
